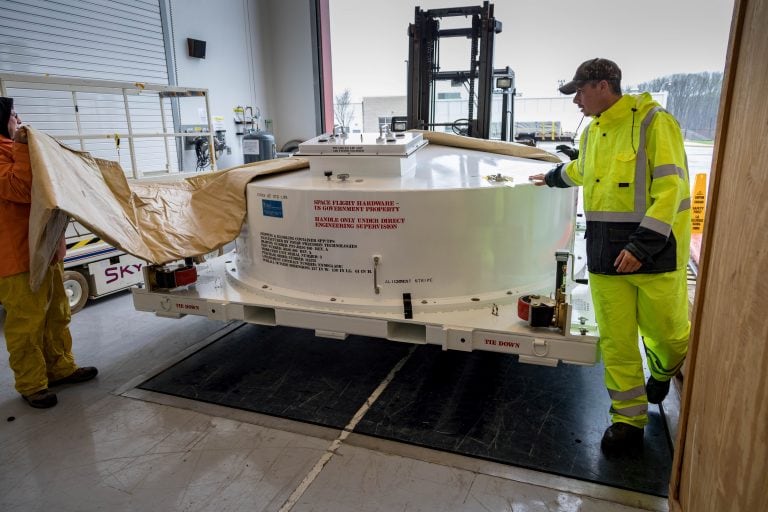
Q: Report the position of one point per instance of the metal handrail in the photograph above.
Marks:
(124, 89)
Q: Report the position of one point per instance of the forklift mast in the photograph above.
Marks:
(424, 68)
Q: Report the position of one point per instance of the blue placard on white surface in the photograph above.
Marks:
(272, 208)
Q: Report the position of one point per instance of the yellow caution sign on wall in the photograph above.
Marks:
(698, 203)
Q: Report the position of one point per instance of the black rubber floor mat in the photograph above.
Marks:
(491, 406)
(284, 372)
(477, 404)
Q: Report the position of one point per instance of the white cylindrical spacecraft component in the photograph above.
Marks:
(453, 228)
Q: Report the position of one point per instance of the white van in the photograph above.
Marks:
(93, 268)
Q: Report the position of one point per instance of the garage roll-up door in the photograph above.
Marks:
(90, 39)
(102, 39)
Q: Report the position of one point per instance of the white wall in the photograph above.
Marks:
(258, 53)
(290, 70)
(382, 106)
(232, 67)
(560, 108)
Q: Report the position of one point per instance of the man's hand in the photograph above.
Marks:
(568, 151)
(20, 135)
(626, 262)
(537, 179)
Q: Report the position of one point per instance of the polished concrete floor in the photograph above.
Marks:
(109, 446)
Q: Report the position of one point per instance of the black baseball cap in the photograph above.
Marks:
(6, 106)
(593, 69)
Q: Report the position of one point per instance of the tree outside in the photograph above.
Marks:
(343, 110)
(694, 99)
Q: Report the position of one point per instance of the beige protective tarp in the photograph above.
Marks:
(156, 221)
(489, 146)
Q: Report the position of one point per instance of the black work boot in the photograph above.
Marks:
(656, 390)
(82, 374)
(622, 439)
(42, 399)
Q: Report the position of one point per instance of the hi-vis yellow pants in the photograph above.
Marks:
(657, 306)
(37, 330)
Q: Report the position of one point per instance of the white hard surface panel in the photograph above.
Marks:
(437, 167)
(359, 480)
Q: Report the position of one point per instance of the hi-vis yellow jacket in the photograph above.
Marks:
(634, 171)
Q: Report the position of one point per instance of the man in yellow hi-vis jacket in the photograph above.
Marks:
(634, 171)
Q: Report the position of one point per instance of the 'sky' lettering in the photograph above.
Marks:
(120, 271)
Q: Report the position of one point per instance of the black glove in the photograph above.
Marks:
(568, 151)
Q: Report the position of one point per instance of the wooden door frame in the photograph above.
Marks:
(739, 40)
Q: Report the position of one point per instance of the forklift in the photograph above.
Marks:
(424, 73)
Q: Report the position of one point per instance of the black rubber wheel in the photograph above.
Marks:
(76, 287)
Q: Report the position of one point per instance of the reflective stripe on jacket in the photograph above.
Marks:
(634, 171)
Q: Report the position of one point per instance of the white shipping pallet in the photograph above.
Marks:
(218, 295)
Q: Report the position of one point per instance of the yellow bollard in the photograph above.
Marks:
(698, 204)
